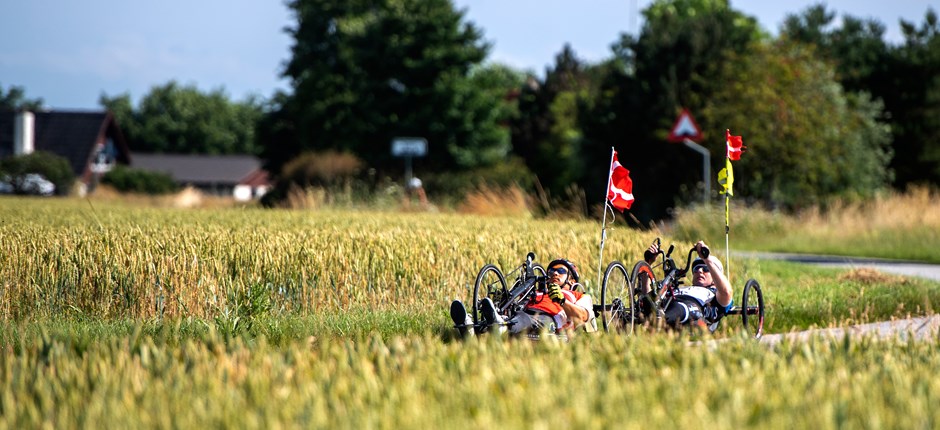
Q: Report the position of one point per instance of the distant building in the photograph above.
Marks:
(91, 141)
(238, 176)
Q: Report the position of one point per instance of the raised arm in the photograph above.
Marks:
(722, 286)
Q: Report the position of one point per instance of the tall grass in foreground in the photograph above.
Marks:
(421, 382)
(903, 226)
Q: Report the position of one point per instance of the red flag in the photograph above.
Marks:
(735, 146)
(620, 186)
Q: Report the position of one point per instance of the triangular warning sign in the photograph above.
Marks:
(684, 128)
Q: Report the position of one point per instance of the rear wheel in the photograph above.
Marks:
(752, 309)
(490, 283)
(617, 311)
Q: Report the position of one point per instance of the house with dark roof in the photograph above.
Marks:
(91, 141)
(238, 176)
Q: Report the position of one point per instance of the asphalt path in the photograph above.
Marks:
(921, 328)
(897, 267)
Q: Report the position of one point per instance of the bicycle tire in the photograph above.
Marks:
(495, 289)
(752, 327)
(617, 301)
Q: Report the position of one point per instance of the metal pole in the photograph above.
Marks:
(727, 230)
(600, 257)
(706, 168)
(408, 170)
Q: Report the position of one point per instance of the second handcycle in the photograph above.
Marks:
(639, 297)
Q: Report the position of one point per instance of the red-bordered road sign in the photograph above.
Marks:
(685, 128)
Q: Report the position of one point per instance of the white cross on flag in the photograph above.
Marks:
(735, 145)
(619, 186)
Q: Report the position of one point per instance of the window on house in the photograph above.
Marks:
(105, 155)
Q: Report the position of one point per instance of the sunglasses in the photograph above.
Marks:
(558, 270)
(700, 269)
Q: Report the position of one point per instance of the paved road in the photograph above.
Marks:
(898, 267)
(919, 328)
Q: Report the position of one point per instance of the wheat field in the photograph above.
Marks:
(120, 316)
(107, 260)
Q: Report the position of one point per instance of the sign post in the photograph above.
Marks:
(409, 147)
(687, 132)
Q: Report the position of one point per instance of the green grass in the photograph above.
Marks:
(800, 296)
(901, 226)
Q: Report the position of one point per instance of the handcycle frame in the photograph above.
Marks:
(624, 303)
(490, 282)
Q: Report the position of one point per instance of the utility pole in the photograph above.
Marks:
(688, 132)
(706, 168)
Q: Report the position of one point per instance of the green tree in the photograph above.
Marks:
(15, 99)
(857, 47)
(181, 119)
(673, 63)
(547, 132)
(808, 140)
(905, 77)
(500, 82)
(365, 72)
(914, 103)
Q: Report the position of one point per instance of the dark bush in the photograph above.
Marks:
(55, 169)
(128, 180)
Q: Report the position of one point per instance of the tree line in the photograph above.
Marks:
(827, 108)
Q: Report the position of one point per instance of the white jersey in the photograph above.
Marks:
(702, 295)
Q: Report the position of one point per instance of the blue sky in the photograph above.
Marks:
(70, 52)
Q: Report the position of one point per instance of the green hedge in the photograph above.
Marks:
(54, 168)
(129, 180)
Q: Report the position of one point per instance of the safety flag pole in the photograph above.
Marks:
(734, 147)
(619, 196)
(600, 256)
(728, 194)
(726, 179)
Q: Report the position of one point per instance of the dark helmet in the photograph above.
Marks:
(572, 269)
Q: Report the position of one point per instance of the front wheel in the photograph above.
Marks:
(490, 283)
(617, 310)
(752, 309)
(644, 283)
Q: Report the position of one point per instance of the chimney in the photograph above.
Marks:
(24, 133)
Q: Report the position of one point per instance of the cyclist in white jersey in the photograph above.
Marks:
(707, 299)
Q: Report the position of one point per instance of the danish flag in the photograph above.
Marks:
(619, 186)
(735, 146)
